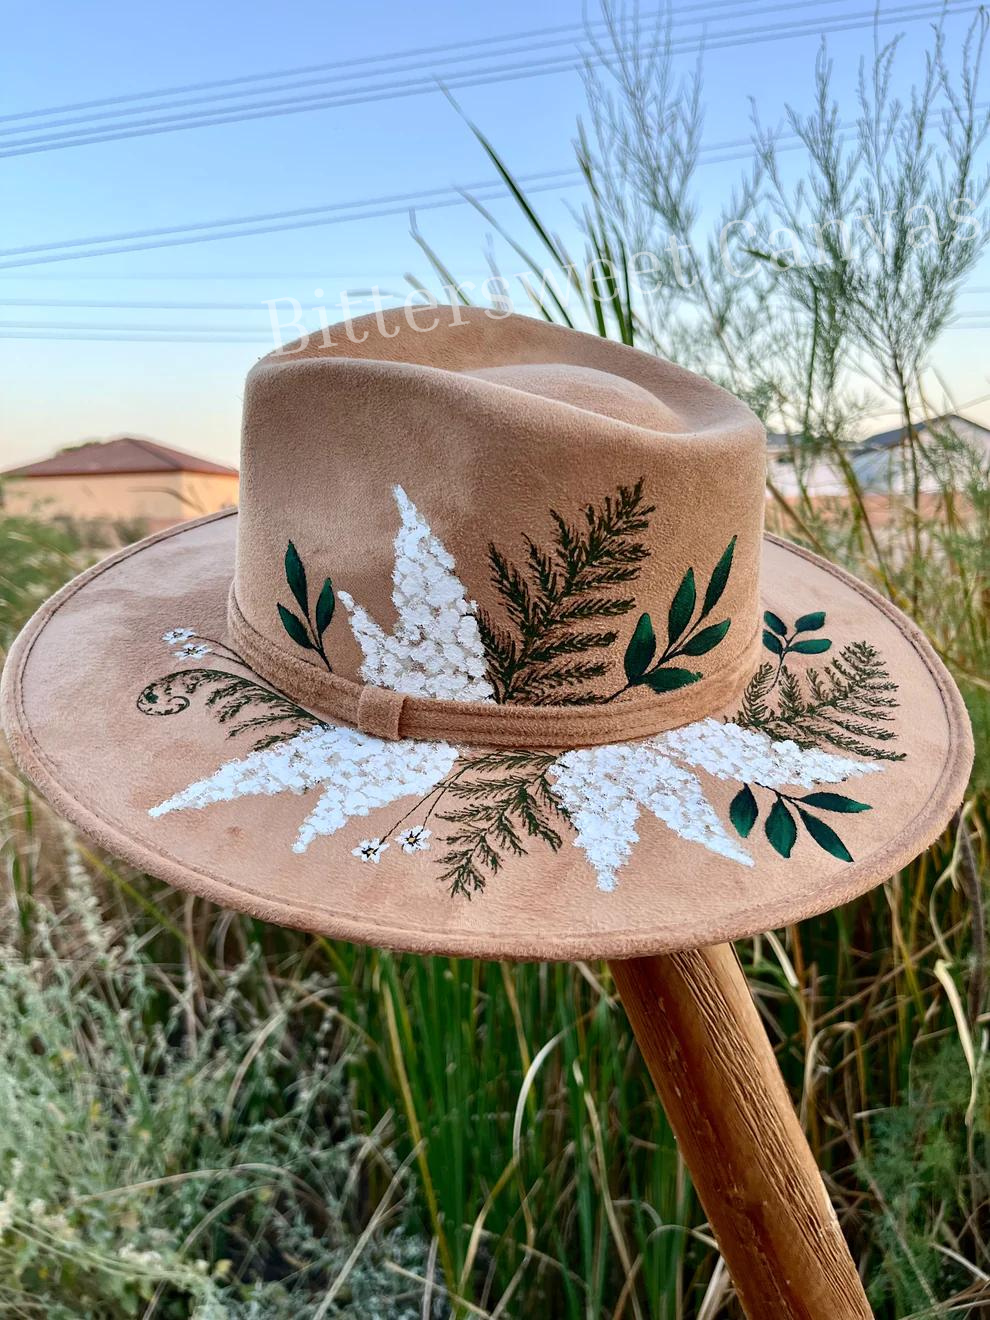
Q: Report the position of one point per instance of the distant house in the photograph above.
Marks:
(121, 480)
(795, 467)
(881, 464)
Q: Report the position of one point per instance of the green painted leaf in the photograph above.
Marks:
(743, 811)
(825, 836)
(772, 642)
(781, 829)
(718, 579)
(681, 607)
(835, 802)
(295, 628)
(810, 622)
(775, 622)
(641, 649)
(705, 641)
(669, 680)
(295, 575)
(324, 608)
(814, 646)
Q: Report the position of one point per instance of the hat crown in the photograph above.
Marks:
(497, 510)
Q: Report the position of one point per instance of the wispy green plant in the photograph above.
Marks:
(177, 1142)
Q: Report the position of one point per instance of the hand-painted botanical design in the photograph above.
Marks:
(605, 788)
(848, 705)
(501, 800)
(546, 655)
(307, 631)
(684, 637)
(244, 705)
(356, 774)
(792, 741)
(781, 642)
(436, 649)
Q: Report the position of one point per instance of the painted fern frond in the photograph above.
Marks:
(754, 712)
(849, 704)
(571, 581)
(228, 696)
(504, 798)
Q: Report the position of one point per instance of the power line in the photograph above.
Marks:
(129, 305)
(420, 86)
(178, 277)
(560, 32)
(126, 328)
(130, 338)
(337, 213)
(331, 208)
(324, 219)
(40, 334)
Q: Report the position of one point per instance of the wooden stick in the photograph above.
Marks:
(712, 1064)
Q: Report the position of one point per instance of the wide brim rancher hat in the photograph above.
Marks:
(495, 659)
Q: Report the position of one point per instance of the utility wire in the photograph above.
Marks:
(461, 49)
(512, 72)
(188, 337)
(126, 328)
(326, 217)
(179, 277)
(338, 213)
(259, 305)
(408, 198)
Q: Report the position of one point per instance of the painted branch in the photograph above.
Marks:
(712, 1064)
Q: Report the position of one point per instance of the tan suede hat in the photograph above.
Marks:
(496, 660)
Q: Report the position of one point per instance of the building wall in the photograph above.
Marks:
(158, 499)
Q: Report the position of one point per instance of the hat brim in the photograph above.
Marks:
(581, 864)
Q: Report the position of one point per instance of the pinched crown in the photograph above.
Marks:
(497, 530)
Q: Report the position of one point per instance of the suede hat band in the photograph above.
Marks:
(384, 713)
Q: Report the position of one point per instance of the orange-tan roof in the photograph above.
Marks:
(125, 454)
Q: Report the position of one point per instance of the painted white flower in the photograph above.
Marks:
(177, 635)
(357, 773)
(370, 850)
(415, 839)
(436, 648)
(192, 651)
(605, 788)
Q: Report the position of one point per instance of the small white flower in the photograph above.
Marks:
(192, 651)
(414, 839)
(177, 635)
(369, 850)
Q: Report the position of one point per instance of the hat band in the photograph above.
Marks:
(382, 713)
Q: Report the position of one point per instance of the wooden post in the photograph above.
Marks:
(712, 1064)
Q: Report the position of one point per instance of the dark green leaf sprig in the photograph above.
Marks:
(684, 637)
(780, 826)
(781, 643)
(307, 632)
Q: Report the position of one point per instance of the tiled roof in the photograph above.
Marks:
(125, 454)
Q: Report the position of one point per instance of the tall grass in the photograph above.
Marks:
(203, 1115)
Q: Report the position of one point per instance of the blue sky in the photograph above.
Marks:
(59, 390)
